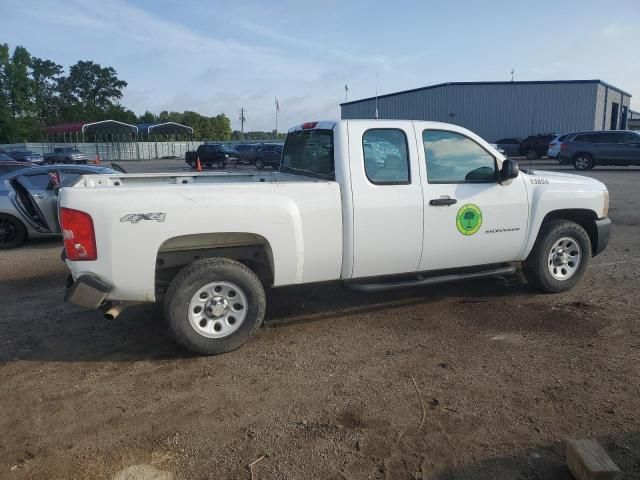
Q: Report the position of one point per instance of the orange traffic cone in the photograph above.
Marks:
(198, 165)
(97, 160)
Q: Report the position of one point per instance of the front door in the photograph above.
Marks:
(469, 218)
(387, 198)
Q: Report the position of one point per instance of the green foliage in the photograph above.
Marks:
(236, 135)
(35, 92)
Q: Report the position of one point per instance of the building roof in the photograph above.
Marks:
(104, 126)
(446, 84)
(163, 128)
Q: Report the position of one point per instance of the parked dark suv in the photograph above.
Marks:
(268, 155)
(584, 150)
(536, 146)
(211, 154)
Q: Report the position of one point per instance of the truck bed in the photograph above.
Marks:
(186, 178)
(136, 216)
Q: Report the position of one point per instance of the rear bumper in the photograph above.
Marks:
(603, 232)
(87, 291)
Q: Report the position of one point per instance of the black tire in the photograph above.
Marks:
(222, 164)
(536, 267)
(195, 276)
(582, 161)
(259, 164)
(532, 154)
(13, 233)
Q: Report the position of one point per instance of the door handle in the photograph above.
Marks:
(441, 202)
(39, 196)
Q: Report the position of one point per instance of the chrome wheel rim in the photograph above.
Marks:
(582, 163)
(564, 258)
(217, 309)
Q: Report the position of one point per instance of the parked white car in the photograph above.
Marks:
(442, 205)
(554, 147)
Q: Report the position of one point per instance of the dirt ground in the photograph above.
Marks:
(478, 380)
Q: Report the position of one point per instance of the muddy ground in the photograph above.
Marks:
(478, 380)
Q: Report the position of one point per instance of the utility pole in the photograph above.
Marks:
(512, 72)
(277, 110)
(242, 120)
(346, 93)
(376, 114)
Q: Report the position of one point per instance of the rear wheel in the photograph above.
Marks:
(532, 154)
(559, 257)
(222, 164)
(583, 161)
(13, 233)
(214, 305)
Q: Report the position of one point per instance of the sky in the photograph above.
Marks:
(218, 56)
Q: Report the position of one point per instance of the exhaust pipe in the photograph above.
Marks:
(116, 309)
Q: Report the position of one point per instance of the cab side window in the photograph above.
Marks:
(386, 157)
(454, 158)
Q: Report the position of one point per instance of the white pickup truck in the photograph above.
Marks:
(375, 204)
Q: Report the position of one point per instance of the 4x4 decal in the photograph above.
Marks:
(136, 217)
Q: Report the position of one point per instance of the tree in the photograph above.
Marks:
(148, 117)
(93, 87)
(20, 87)
(6, 124)
(45, 76)
(119, 113)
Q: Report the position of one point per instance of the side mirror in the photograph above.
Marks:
(509, 170)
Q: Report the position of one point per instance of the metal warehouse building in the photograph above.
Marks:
(497, 110)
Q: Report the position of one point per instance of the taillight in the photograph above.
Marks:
(78, 235)
(551, 145)
(308, 125)
(563, 146)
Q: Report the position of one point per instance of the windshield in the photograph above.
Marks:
(309, 152)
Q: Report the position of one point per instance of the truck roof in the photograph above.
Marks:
(329, 124)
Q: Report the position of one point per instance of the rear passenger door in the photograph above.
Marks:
(631, 146)
(469, 218)
(387, 198)
(607, 148)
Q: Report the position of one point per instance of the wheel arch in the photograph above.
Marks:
(582, 216)
(250, 249)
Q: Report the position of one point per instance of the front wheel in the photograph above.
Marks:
(12, 232)
(221, 164)
(214, 305)
(559, 257)
(583, 161)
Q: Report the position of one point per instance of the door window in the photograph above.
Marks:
(454, 158)
(40, 181)
(386, 157)
(629, 137)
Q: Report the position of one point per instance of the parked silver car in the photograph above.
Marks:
(66, 155)
(29, 200)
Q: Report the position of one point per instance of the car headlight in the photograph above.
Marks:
(605, 208)
(226, 155)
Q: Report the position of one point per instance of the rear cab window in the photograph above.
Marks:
(386, 157)
(309, 152)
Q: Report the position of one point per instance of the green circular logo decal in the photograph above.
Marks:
(469, 219)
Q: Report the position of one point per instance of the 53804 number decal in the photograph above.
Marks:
(539, 181)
